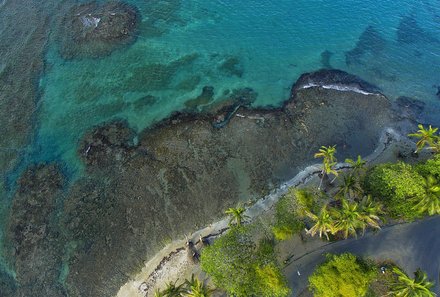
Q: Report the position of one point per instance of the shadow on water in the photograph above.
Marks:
(370, 42)
(409, 32)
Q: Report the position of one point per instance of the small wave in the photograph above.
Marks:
(2, 3)
(338, 88)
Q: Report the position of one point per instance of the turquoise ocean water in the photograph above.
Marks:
(274, 42)
(268, 44)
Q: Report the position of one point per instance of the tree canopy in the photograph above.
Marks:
(342, 275)
(235, 264)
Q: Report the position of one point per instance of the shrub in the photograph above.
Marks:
(235, 264)
(398, 185)
(342, 276)
(271, 282)
(287, 220)
(430, 167)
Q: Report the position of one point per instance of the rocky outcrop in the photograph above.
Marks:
(142, 190)
(96, 29)
(334, 79)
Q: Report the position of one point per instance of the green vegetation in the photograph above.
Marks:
(346, 275)
(241, 267)
(430, 202)
(288, 213)
(427, 137)
(171, 290)
(404, 286)
(357, 165)
(197, 288)
(327, 153)
(237, 215)
(342, 276)
(190, 288)
(347, 219)
(397, 185)
(271, 282)
(242, 264)
(324, 223)
(407, 191)
(353, 216)
(430, 167)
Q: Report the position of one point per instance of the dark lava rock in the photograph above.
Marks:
(121, 213)
(33, 233)
(108, 144)
(335, 79)
(96, 29)
(409, 107)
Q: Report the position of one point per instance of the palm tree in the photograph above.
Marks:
(350, 187)
(328, 162)
(370, 212)
(158, 293)
(430, 202)
(237, 215)
(427, 137)
(357, 165)
(348, 218)
(197, 288)
(172, 290)
(324, 223)
(405, 286)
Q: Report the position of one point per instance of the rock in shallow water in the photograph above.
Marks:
(36, 243)
(95, 29)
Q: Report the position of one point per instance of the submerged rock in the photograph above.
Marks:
(183, 173)
(96, 29)
(232, 66)
(36, 243)
(204, 98)
(409, 107)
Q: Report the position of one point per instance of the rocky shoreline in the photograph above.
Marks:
(155, 275)
(142, 190)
